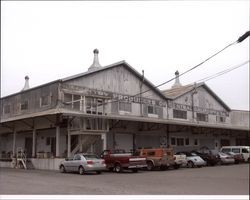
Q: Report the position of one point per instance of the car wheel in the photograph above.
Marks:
(111, 169)
(163, 168)
(62, 169)
(190, 164)
(98, 172)
(81, 170)
(176, 166)
(150, 166)
(219, 162)
(118, 168)
(135, 170)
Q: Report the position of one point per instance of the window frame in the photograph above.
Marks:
(176, 115)
(199, 117)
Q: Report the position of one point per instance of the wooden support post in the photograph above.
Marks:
(34, 144)
(104, 140)
(14, 143)
(69, 144)
(57, 141)
(167, 135)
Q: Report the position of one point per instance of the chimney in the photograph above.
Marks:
(177, 81)
(96, 65)
(26, 85)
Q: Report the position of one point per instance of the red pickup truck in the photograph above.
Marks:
(118, 160)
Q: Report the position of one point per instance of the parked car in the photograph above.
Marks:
(161, 158)
(210, 158)
(180, 160)
(225, 158)
(82, 163)
(238, 158)
(118, 160)
(193, 160)
(244, 150)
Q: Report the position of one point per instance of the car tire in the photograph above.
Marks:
(62, 169)
(111, 169)
(219, 162)
(134, 170)
(176, 166)
(98, 172)
(81, 170)
(118, 168)
(163, 167)
(150, 166)
(190, 164)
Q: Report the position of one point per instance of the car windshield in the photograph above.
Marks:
(91, 157)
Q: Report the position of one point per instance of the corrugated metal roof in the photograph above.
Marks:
(175, 93)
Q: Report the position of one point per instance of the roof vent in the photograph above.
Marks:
(96, 65)
(177, 81)
(26, 85)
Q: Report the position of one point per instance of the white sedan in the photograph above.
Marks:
(226, 158)
(82, 163)
(193, 160)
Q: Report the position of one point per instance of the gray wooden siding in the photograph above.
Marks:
(117, 80)
(33, 97)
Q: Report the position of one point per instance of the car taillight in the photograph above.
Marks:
(90, 162)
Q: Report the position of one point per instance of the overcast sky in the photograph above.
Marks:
(52, 40)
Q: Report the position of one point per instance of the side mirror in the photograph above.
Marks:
(102, 156)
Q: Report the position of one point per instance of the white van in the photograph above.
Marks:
(244, 150)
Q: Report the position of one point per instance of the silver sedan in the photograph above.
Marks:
(82, 163)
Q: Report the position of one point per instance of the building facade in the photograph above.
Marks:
(114, 107)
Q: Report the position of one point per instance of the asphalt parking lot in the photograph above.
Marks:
(218, 180)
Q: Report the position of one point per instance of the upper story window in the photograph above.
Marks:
(173, 141)
(72, 101)
(202, 117)
(125, 106)
(196, 142)
(180, 141)
(220, 119)
(6, 109)
(45, 100)
(24, 105)
(181, 114)
(94, 105)
(151, 110)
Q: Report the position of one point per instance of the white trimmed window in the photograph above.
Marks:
(202, 117)
(125, 106)
(220, 119)
(45, 100)
(180, 114)
(24, 105)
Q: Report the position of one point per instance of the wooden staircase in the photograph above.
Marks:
(22, 161)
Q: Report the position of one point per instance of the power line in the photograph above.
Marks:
(207, 78)
(223, 72)
(240, 39)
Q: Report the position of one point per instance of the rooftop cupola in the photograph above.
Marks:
(26, 85)
(96, 65)
(177, 81)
